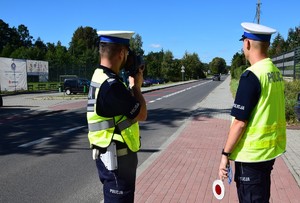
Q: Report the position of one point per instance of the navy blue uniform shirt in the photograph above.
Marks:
(247, 96)
(115, 99)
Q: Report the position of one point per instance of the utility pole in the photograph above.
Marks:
(258, 11)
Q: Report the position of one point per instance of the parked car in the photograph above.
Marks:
(156, 80)
(76, 85)
(217, 77)
(146, 83)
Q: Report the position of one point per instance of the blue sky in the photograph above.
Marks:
(209, 28)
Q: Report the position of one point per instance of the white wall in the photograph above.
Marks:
(13, 74)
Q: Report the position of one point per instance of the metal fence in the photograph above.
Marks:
(81, 72)
(289, 63)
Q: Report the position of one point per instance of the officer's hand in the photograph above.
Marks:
(137, 80)
(223, 173)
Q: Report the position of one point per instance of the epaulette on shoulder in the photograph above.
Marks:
(246, 73)
(111, 81)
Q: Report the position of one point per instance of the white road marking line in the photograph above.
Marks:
(174, 93)
(35, 142)
(72, 129)
(48, 138)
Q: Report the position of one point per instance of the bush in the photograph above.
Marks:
(237, 72)
(234, 83)
(291, 92)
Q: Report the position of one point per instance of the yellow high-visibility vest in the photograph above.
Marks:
(265, 135)
(102, 129)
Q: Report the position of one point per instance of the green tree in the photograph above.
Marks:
(35, 52)
(84, 51)
(25, 50)
(19, 53)
(59, 60)
(238, 60)
(10, 39)
(166, 64)
(205, 67)
(174, 73)
(25, 37)
(4, 35)
(238, 65)
(217, 65)
(153, 64)
(193, 66)
(38, 50)
(278, 46)
(293, 39)
(136, 44)
(14, 42)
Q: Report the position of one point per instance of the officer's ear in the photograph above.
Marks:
(248, 44)
(123, 52)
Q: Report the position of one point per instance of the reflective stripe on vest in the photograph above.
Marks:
(103, 125)
(91, 101)
(265, 135)
(91, 105)
(102, 129)
(95, 84)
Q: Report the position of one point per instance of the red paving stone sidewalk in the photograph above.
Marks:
(69, 106)
(186, 169)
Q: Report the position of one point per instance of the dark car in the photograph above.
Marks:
(76, 85)
(156, 81)
(216, 77)
(146, 83)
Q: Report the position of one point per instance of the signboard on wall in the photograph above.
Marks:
(38, 68)
(13, 75)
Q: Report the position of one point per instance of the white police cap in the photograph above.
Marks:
(118, 37)
(257, 32)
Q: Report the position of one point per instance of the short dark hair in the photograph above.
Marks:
(110, 49)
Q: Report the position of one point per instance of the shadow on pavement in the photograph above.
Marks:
(53, 128)
(209, 112)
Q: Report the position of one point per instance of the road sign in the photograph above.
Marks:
(182, 69)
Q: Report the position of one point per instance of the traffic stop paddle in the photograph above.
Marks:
(218, 189)
(218, 186)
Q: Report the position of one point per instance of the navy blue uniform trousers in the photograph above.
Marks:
(253, 181)
(119, 185)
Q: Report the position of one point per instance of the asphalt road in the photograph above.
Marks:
(47, 158)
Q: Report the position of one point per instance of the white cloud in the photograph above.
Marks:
(155, 45)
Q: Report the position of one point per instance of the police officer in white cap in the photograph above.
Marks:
(258, 131)
(113, 113)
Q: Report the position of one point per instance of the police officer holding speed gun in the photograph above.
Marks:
(113, 113)
(258, 131)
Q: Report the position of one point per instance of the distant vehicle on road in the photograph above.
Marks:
(216, 77)
(76, 85)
